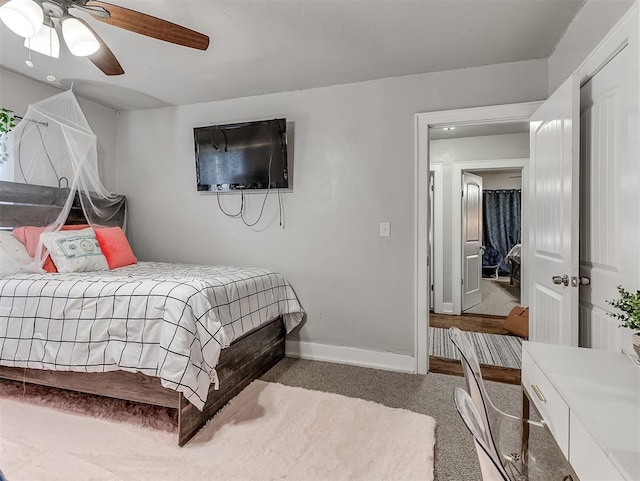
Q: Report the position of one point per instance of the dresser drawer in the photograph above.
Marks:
(587, 458)
(548, 402)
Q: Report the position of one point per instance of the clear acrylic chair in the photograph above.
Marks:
(526, 449)
(490, 465)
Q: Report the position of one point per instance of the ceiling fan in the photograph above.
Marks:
(39, 22)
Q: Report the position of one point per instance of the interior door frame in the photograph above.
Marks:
(520, 112)
(438, 238)
(615, 40)
(474, 166)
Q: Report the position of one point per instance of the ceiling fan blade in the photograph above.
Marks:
(104, 58)
(151, 26)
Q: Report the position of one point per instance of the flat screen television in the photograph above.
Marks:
(248, 155)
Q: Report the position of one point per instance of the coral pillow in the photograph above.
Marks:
(115, 247)
(30, 235)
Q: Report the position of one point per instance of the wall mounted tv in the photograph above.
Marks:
(249, 155)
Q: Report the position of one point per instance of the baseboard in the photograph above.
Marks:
(349, 355)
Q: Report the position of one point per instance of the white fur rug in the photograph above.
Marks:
(269, 431)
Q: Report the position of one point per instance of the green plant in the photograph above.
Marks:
(7, 120)
(629, 304)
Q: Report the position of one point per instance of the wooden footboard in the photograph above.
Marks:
(246, 359)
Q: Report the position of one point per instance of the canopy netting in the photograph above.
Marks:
(54, 146)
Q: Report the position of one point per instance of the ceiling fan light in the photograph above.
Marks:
(23, 17)
(79, 38)
(45, 42)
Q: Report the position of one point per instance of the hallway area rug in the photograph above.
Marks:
(268, 432)
(492, 349)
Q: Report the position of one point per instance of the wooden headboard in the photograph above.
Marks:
(26, 204)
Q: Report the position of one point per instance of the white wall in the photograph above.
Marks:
(476, 149)
(354, 166)
(18, 92)
(500, 180)
(588, 28)
(487, 147)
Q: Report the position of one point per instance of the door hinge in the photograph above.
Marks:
(462, 281)
(431, 286)
(432, 188)
(462, 194)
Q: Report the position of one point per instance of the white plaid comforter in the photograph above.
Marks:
(164, 320)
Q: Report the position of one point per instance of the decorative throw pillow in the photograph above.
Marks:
(115, 247)
(30, 235)
(14, 257)
(75, 251)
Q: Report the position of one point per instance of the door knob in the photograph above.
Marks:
(561, 280)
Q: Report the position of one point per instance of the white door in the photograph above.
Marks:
(553, 231)
(609, 189)
(471, 240)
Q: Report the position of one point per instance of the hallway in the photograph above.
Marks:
(499, 353)
(498, 297)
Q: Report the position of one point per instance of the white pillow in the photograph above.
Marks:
(75, 250)
(14, 257)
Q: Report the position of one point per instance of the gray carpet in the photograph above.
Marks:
(498, 297)
(455, 456)
(492, 349)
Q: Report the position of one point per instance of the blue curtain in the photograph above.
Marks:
(501, 230)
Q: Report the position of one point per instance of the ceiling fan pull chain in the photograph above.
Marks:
(28, 62)
(51, 77)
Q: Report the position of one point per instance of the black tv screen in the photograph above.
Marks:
(249, 155)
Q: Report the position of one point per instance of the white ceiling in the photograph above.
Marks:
(265, 46)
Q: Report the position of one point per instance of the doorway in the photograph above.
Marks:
(460, 118)
(470, 283)
(500, 223)
(498, 151)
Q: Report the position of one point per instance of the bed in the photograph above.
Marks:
(513, 260)
(183, 336)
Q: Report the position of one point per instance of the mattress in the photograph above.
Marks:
(164, 320)
(514, 254)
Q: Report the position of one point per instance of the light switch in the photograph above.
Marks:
(385, 229)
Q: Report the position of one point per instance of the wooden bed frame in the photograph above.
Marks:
(514, 271)
(248, 357)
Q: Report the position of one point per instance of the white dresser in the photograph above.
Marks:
(590, 401)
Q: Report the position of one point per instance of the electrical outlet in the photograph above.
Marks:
(385, 229)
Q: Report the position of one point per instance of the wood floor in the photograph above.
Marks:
(477, 323)
(469, 322)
